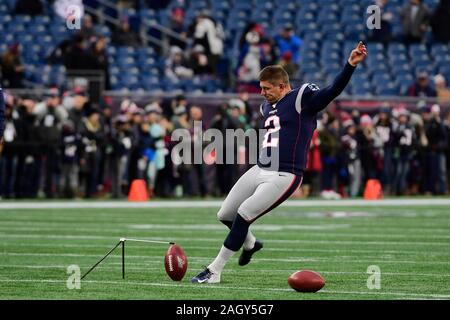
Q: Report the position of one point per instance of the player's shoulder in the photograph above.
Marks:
(303, 93)
(305, 88)
(312, 86)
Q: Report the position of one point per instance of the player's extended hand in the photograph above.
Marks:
(358, 54)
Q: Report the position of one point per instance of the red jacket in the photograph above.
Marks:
(314, 163)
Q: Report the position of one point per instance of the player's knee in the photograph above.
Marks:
(224, 215)
(220, 215)
(246, 213)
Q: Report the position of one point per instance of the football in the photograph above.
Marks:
(175, 262)
(306, 281)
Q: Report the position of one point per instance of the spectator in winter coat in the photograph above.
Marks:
(421, 87)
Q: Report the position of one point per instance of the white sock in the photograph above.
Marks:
(219, 263)
(249, 242)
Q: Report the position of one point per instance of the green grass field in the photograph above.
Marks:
(411, 246)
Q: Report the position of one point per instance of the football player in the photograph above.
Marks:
(290, 118)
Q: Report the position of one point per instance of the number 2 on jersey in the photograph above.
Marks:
(275, 120)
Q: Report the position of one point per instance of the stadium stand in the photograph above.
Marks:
(328, 30)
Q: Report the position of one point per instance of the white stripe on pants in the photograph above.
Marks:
(255, 192)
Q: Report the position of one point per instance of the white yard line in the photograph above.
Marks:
(145, 267)
(222, 287)
(175, 228)
(402, 202)
(195, 258)
(112, 238)
(134, 246)
(180, 227)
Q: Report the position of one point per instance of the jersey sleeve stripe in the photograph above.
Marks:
(298, 101)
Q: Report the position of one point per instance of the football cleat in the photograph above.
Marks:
(206, 276)
(246, 255)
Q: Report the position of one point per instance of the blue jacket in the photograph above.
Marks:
(292, 44)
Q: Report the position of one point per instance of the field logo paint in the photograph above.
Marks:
(374, 280)
(73, 282)
(374, 19)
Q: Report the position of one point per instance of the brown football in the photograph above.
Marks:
(306, 281)
(175, 262)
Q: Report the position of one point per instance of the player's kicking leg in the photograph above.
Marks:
(272, 189)
(243, 189)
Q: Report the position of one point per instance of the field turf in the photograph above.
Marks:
(410, 245)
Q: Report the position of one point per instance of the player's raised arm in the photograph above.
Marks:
(318, 99)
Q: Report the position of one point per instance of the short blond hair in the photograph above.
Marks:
(274, 74)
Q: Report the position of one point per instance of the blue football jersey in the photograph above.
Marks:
(291, 121)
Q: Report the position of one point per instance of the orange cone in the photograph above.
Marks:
(373, 190)
(138, 191)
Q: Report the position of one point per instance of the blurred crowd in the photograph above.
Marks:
(408, 152)
(63, 146)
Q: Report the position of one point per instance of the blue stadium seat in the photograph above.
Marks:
(396, 48)
(324, 3)
(145, 51)
(398, 58)
(125, 63)
(375, 48)
(304, 18)
(376, 58)
(306, 29)
(387, 89)
(355, 32)
(115, 85)
(267, 5)
(3, 48)
(312, 39)
(111, 50)
(362, 89)
(379, 68)
(21, 20)
(439, 49)
(129, 81)
(330, 58)
(113, 70)
(126, 51)
(40, 20)
(326, 17)
(403, 79)
(291, 6)
(399, 69)
(415, 49)
(146, 63)
(331, 28)
(283, 3)
(331, 72)
(445, 70)
(380, 78)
